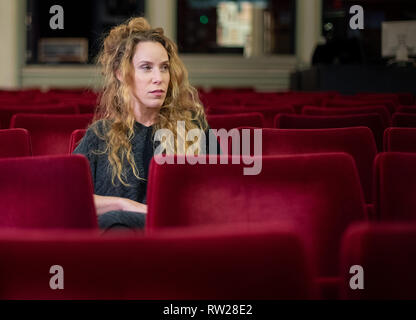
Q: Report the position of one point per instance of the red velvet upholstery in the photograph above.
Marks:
(404, 98)
(370, 120)
(407, 109)
(86, 107)
(390, 104)
(7, 111)
(220, 109)
(221, 263)
(319, 111)
(15, 143)
(404, 120)
(75, 138)
(387, 253)
(319, 193)
(395, 185)
(268, 112)
(46, 192)
(50, 134)
(230, 121)
(400, 139)
(357, 141)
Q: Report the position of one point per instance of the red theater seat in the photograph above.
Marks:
(319, 111)
(390, 104)
(395, 185)
(404, 98)
(370, 120)
(221, 263)
(400, 139)
(46, 192)
(318, 193)
(406, 109)
(404, 120)
(75, 138)
(50, 134)
(230, 121)
(387, 254)
(229, 109)
(7, 111)
(268, 112)
(15, 143)
(357, 141)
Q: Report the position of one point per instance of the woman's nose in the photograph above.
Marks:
(157, 76)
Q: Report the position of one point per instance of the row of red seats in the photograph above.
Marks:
(375, 121)
(229, 262)
(40, 134)
(272, 104)
(77, 101)
(318, 196)
(7, 112)
(48, 130)
(33, 96)
(57, 137)
(298, 100)
(269, 114)
(356, 141)
(50, 102)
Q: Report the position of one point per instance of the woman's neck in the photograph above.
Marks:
(146, 116)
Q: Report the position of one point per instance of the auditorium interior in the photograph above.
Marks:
(310, 197)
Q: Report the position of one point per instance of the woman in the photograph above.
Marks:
(146, 88)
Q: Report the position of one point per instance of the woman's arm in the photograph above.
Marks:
(104, 204)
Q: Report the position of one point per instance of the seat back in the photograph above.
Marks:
(229, 263)
(230, 121)
(50, 134)
(390, 104)
(407, 109)
(395, 185)
(400, 139)
(75, 138)
(370, 120)
(401, 119)
(268, 112)
(319, 111)
(387, 255)
(7, 111)
(318, 193)
(15, 143)
(46, 192)
(356, 141)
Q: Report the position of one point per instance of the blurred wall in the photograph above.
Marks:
(11, 52)
(162, 18)
(308, 30)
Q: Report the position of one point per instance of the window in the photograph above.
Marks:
(215, 26)
(84, 24)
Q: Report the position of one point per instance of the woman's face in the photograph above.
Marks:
(151, 74)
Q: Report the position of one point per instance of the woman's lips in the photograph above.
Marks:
(157, 93)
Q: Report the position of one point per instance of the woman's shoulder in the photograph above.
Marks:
(94, 133)
(93, 138)
(99, 128)
(101, 124)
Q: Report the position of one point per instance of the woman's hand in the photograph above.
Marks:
(105, 204)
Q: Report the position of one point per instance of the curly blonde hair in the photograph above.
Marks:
(116, 105)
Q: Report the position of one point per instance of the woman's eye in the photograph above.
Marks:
(146, 67)
(165, 67)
